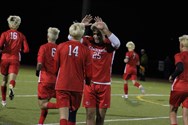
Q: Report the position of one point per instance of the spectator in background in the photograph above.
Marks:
(130, 71)
(179, 79)
(167, 67)
(12, 43)
(143, 65)
(73, 66)
(46, 81)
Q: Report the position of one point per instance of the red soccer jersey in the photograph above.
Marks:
(12, 42)
(130, 66)
(46, 58)
(181, 81)
(101, 61)
(73, 62)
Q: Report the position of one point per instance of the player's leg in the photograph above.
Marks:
(45, 93)
(72, 117)
(101, 113)
(185, 109)
(185, 115)
(63, 103)
(89, 103)
(44, 111)
(90, 116)
(125, 86)
(64, 114)
(138, 85)
(126, 89)
(12, 83)
(4, 72)
(104, 97)
(173, 115)
(13, 71)
(76, 98)
(4, 90)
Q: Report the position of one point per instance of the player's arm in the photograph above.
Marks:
(2, 41)
(179, 69)
(56, 60)
(39, 60)
(101, 25)
(126, 60)
(115, 43)
(25, 45)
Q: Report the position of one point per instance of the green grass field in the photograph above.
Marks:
(149, 109)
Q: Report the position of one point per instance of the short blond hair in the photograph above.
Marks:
(130, 45)
(76, 30)
(14, 21)
(53, 33)
(184, 40)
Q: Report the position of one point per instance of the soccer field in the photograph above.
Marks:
(149, 109)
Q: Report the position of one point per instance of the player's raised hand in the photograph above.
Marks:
(87, 20)
(98, 19)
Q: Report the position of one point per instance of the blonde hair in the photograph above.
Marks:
(53, 33)
(184, 40)
(130, 45)
(77, 30)
(14, 21)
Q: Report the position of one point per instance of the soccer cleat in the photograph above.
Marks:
(11, 94)
(125, 96)
(142, 90)
(3, 103)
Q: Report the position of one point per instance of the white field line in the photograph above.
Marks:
(110, 120)
(121, 120)
(111, 95)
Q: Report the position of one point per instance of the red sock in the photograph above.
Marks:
(43, 115)
(126, 88)
(63, 122)
(3, 92)
(71, 123)
(13, 83)
(137, 84)
(174, 124)
(51, 105)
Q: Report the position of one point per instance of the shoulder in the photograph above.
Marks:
(61, 44)
(22, 34)
(177, 54)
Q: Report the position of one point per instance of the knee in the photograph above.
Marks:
(91, 115)
(43, 105)
(5, 80)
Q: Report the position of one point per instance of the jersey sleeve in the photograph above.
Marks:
(25, 45)
(40, 57)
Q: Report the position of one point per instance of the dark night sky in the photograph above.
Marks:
(154, 26)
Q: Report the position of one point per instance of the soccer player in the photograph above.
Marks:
(102, 44)
(73, 68)
(47, 79)
(130, 71)
(179, 79)
(12, 42)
